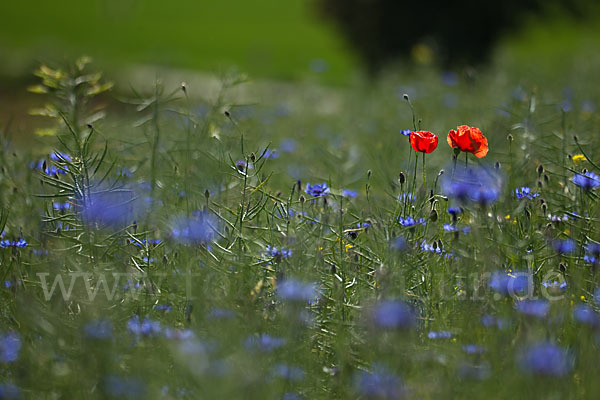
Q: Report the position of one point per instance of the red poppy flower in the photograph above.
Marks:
(470, 139)
(423, 141)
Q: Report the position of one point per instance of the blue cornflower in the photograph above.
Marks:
(450, 228)
(407, 197)
(525, 193)
(558, 218)
(242, 166)
(480, 185)
(201, 228)
(349, 193)
(114, 208)
(295, 290)
(490, 321)
(584, 314)
(147, 327)
(9, 390)
(379, 383)
(288, 145)
(450, 78)
(509, 283)
(555, 286)
(272, 154)
(545, 358)
(431, 248)
(278, 254)
(221, 313)
(163, 307)
(405, 132)
(587, 181)
(439, 335)
(50, 169)
(10, 345)
(564, 246)
(399, 243)
(592, 251)
(58, 156)
(410, 221)
(393, 314)
(264, 343)
(116, 386)
(179, 334)
(317, 190)
(146, 242)
(533, 308)
(101, 329)
(289, 372)
(13, 243)
(597, 296)
(473, 349)
(62, 206)
(454, 211)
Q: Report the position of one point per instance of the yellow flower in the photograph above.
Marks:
(577, 158)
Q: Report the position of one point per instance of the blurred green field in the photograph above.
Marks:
(267, 38)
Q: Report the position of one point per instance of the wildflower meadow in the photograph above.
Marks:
(427, 237)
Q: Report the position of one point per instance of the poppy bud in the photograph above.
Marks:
(227, 114)
(546, 178)
(207, 194)
(562, 267)
(402, 178)
(510, 137)
(302, 198)
(183, 87)
(497, 165)
(441, 172)
(433, 216)
(369, 172)
(405, 97)
(540, 170)
(252, 156)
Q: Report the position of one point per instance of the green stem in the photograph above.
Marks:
(424, 175)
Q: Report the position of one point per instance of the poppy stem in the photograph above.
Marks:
(414, 185)
(424, 175)
(466, 160)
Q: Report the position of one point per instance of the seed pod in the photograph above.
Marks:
(433, 216)
(540, 170)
